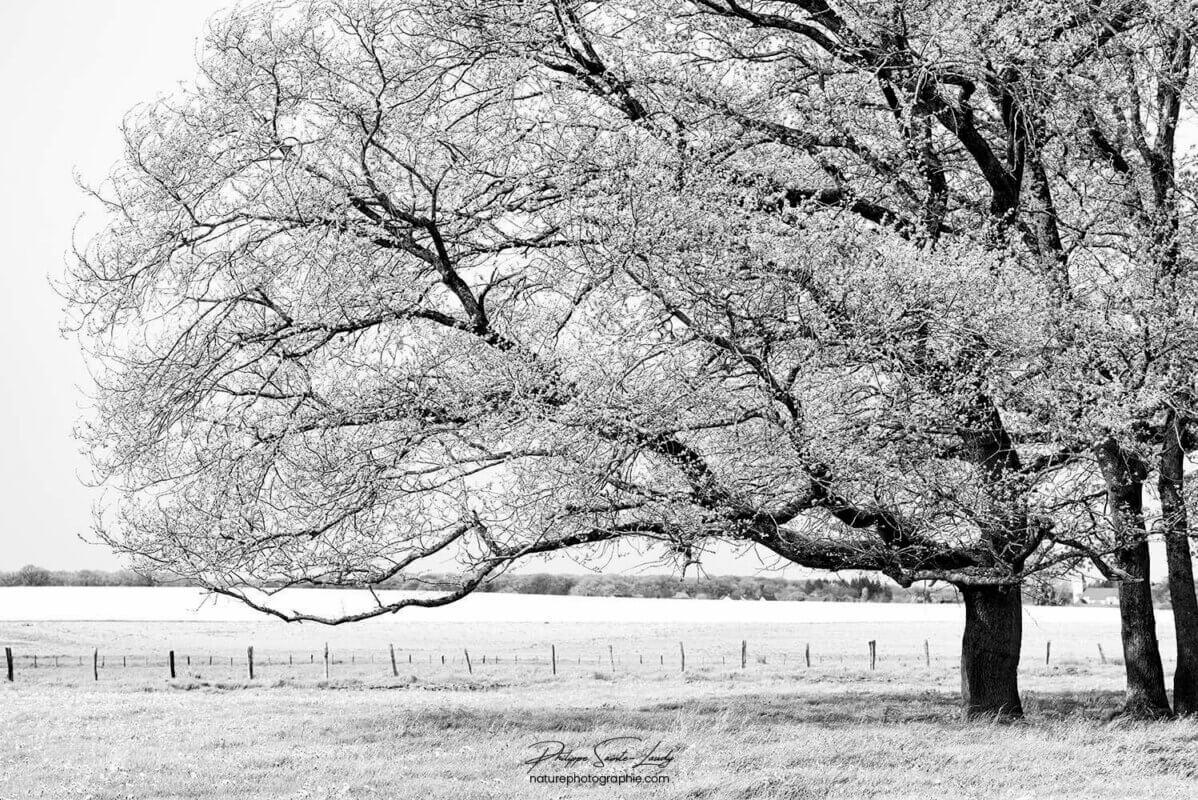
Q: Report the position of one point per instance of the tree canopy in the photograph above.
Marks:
(399, 283)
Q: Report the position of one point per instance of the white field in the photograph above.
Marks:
(434, 727)
(899, 628)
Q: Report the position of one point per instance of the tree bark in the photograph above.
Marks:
(990, 651)
(1124, 476)
(1181, 569)
(1146, 696)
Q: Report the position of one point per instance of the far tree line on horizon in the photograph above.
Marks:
(904, 288)
(708, 587)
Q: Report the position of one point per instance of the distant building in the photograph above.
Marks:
(1098, 596)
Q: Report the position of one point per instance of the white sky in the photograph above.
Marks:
(69, 71)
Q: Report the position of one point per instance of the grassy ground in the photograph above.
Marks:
(776, 729)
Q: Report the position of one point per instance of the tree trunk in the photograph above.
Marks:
(1181, 569)
(1124, 476)
(1141, 653)
(990, 651)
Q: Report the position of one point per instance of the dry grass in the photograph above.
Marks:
(773, 730)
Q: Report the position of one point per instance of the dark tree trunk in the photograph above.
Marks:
(1141, 653)
(1181, 570)
(1124, 476)
(990, 651)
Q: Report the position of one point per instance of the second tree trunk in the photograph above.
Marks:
(1181, 570)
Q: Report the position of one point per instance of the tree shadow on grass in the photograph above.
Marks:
(840, 710)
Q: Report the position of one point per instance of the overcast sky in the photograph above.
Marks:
(68, 73)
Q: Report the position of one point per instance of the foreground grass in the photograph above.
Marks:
(776, 729)
(769, 736)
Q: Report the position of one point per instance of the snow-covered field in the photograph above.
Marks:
(70, 603)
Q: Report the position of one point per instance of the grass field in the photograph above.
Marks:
(775, 729)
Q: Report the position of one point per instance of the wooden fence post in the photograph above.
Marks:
(611, 655)
(744, 653)
(1047, 652)
(394, 668)
(807, 654)
(8, 662)
(326, 661)
(469, 666)
(249, 655)
(553, 657)
(171, 660)
(873, 654)
(927, 653)
(1101, 654)
(96, 663)
(682, 653)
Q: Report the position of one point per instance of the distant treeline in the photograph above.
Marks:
(734, 587)
(30, 575)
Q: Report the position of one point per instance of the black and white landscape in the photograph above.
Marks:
(539, 398)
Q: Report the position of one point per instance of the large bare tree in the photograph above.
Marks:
(400, 285)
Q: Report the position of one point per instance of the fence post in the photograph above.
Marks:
(469, 666)
(553, 657)
(927, 653)
(249, 654)
(96, 663)
(171, 660)
(1047, 652)
(394, 669)
(744, 653)
(682, 653)
(611, 655)
(1101, 654)
(326, 661)
(807, 654)
(873, 653)
(8, 662)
